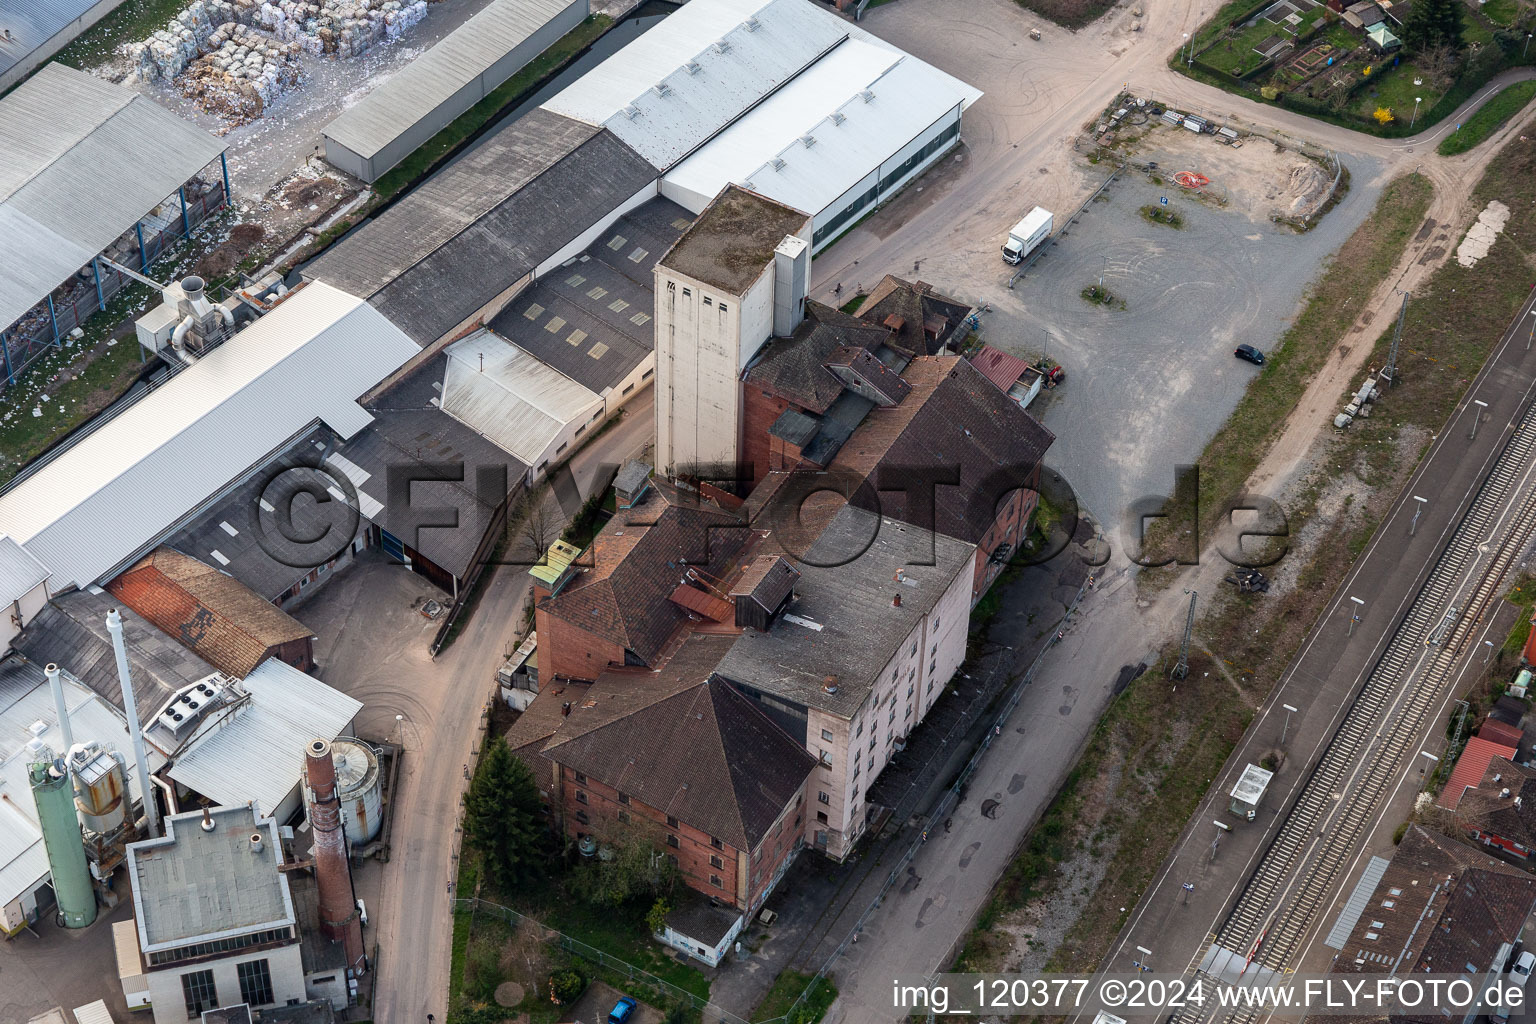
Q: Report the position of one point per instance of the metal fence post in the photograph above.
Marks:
(138, 229)
(224, 165)
(101, 302)
(54, 317)
(186, 222)
(5, 350)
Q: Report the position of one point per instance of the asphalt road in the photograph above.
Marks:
(382, 661)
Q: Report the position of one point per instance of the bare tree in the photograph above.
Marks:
(1441, 64)
(532, 525)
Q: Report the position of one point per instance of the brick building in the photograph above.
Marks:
(215, 615)
(1501, 810)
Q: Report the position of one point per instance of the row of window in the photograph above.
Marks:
(201, 949)
(200, 992)
(890, 180)
(688, 293)
(623, 798)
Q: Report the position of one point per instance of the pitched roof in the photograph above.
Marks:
(211, 612)
(768, 580)
(1471, 767)
(1511, 817)
(625, 580)
(954, 421)
(71, 631)
(918, 308)
(685, 742)
(999, 367)
(1440, 905)
(795, 367)
(19, 571)
(1503, 733)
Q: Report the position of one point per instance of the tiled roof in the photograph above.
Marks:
(767, 580)
(1495, 731)
(860, 372)
(1470, 768)
(954, 422)
(223, 620)
(626, 578)
(916, 306)
(795, 367)
(1511, 817)
(688, 744)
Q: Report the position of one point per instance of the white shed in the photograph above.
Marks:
(1249, 791)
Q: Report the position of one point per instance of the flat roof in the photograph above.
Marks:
(484, 222)
(84, 161)
(195, 886)
(842, 621)
(104, 500)
(420, 87)
(732, 242)
(258, 754)
(708, 63)
(1251, 785)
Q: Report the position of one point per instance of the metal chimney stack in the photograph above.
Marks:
(135, 731)
(59, 706)
(339, 917)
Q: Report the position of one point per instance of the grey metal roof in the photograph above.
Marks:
(33, 23)
(417, 89)
(71, 631)
(19, 571)
(484, 222)
(194, 886)
(842, 621)
(85, 160)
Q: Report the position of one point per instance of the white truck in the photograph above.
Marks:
(1027, 235)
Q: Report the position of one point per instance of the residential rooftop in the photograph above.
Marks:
(732, 243)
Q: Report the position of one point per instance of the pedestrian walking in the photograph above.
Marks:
(948, 822)
(925, 835)
(839, 289)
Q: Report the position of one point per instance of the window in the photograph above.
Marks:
(580, 777)
(581, 816)
(934, 650)
(714, 880)
(624, 799)
(672, 842)
(648, 374)
(198, 988)
(716, 862)
(255, 982)
(716, 843)
(722, 307)
(624, 817)
(581, 429)
(909, 692)
(826, 734)
(562, 448)
(913, 652)
(856, 767)
(687, 292)
(933, 668)
(826, 759)
(859, 731)
(935, 622)
(871, 741)
(581, 797)
(629, 389)
(823, 797)
(671, 286)
(671, 822)
(707, 302)
(821, 816)
(672, 859)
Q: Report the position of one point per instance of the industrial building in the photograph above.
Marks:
(423, 98)
(101, 502)
(92, 169)
(35, 32)
(23, 588)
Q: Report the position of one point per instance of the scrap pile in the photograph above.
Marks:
(249, 49)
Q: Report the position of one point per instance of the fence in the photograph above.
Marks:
(20, 348)
(630, 971)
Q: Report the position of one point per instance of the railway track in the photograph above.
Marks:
(1377, 738)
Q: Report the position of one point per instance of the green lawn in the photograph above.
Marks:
(1393, 88)
(622, 933)
(562, 51)
(1489, 118)
(1501, 12)
(787, 988)
(1237, 54)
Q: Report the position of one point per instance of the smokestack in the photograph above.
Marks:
(135, 731)
(60, 708)
(207, 825)
(333, 872)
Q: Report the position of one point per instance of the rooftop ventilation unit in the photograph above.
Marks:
(867, 95)
(693, 67)
(662, 89)
(837, 117)
(751, 24)
(807, 141)
(190, 704)
(778, 164)
(721, 46)
(631, 111)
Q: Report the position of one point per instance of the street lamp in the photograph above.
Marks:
(1433, 760)
(1286, 730)
(1415, 117)
(1489, 652)
(1532, 335)
(1413, 526)
(1143, 965)
(1527, 45)
(1354, 615)
(1187, 44)
(1477, 414)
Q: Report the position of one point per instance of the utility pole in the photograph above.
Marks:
(1182, 668)
(1390, 370)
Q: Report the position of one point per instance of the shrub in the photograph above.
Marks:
(1384, 115)
(565, 987)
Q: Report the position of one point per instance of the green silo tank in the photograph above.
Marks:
(55, 798)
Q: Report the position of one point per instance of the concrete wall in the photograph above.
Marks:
(170, 1003)
(60, 39)
(370, 168)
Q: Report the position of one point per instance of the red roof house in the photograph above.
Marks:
(1471, 768)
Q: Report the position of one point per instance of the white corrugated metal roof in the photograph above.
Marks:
(417, 89)
(19, 571)
(24, 699)
(517, 401)
(682, 81)
(259, 754)
(93, 1013)
(85, 160)
(867, 127)
(122, 486)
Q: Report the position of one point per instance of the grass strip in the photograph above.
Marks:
(1488, 119)
(560, 53)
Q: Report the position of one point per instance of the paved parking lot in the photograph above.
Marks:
(1148, 384)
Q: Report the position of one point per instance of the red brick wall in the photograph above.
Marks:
(569, 651)
(695, 851)
(1010, 527)
(758, 413)
(298, 653)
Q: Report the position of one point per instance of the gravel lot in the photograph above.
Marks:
(1147, 385)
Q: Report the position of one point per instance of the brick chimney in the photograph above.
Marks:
(339, 917)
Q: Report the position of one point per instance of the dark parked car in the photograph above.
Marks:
(622, 1011)
(1250, 353)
